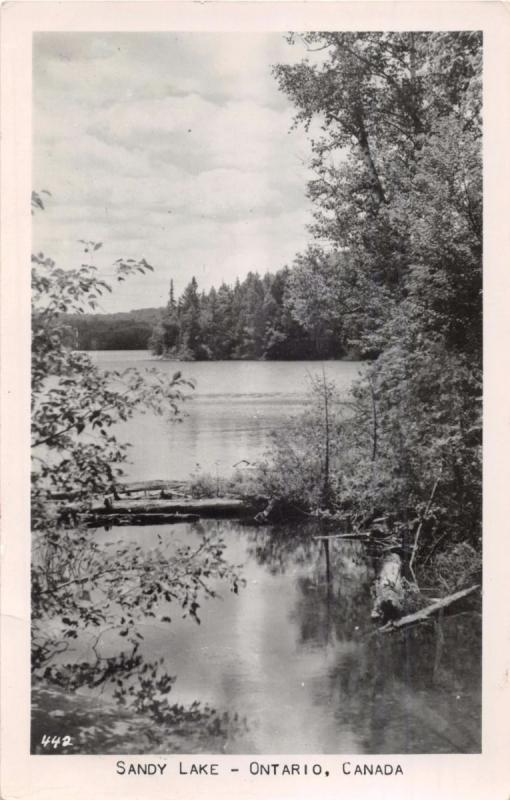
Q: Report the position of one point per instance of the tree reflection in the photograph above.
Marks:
(390, 689)
(333, 581)
(279, 547)
(89, 609)
(413, 691)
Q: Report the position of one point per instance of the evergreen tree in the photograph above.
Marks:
(191, 344)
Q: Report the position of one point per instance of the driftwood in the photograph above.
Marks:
(428, 611)
(161, 487)
(389, 590)
(139, 519)
(153, 486)
(327, 537)
(181, 505)
(156, 511)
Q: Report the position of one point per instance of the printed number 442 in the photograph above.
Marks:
(56, 741)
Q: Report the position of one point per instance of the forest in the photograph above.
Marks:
(256, 318)
(125, 330)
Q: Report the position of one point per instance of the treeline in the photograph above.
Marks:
(122, 331)
(253, 319)
(256, 318)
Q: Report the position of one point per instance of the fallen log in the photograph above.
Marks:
(157, 511)
(428, 611)
(151, 518)
(167, 488)
(180, 505)
(155, 485)
(328, 537)
(389, 590)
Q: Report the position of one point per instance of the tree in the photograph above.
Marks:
(315, 298)
(166, 334)
(398, 192)
(72, 397)
(189, 316)
(83, 587)
(304, 466)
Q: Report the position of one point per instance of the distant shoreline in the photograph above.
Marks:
(176, 359)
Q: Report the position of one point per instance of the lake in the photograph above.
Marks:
(230, 416)
(292, 653)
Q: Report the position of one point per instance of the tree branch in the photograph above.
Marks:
(418, 531)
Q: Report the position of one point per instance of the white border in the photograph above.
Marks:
(75, 777)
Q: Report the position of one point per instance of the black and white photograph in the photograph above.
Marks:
(256, 486)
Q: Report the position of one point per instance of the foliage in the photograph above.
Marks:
(89, 595)
(89, 587)
(315, 299)
(254, 319)
(205, 484)
(302, 467)
(74, 403)
(242, 483)
(398, 202)
(457, 566)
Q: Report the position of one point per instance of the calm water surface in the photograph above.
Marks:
(234, 408)
(293, 651)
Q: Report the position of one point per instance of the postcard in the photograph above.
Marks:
(254, 407)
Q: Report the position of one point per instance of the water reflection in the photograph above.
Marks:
(294, 653)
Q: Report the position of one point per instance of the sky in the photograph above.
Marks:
(173, 147)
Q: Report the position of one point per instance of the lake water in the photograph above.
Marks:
(231, 413)
(293, 652)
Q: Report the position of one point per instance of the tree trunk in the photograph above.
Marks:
(389, 590)
(152, 518)
(207, 507)
(364, 145)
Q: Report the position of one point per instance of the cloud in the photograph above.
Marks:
(174, 147)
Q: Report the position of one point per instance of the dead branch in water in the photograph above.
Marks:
(427, 612)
